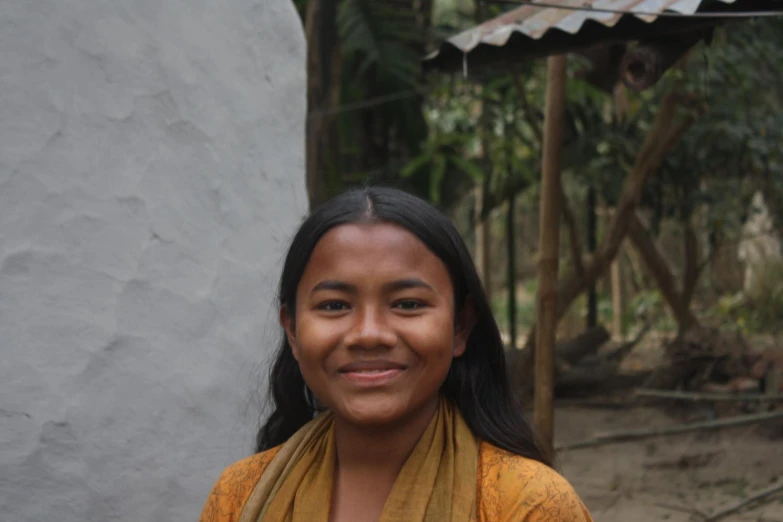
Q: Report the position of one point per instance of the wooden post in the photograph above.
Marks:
(549, 242)
(483, 242)
(478, 232)
(618, 308)
(483, 229)
(616, 288)
(511, 267)
(511, 272)
(486, 244)
(592, 225)
(618, 301)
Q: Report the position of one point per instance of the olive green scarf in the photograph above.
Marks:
(436, 484)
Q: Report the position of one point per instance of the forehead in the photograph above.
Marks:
(373, 250)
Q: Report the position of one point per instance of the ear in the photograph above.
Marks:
(466, 321)
(287, 322)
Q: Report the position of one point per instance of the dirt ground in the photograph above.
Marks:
(673, 478)
(669, 478)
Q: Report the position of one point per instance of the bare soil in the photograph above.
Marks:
(669, 478)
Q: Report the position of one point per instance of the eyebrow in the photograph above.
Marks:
(340, 286)
(404, 284)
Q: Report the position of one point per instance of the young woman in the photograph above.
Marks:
(391, 397)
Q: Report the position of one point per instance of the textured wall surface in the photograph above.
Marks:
(151, 173)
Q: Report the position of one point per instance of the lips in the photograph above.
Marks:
(371, 366)
(372, 373)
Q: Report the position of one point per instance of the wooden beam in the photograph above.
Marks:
(659, 269)
(549, 242)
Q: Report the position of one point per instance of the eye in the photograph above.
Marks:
(409, 305)
(333, 306)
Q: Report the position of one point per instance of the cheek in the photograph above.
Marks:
(434, 339)
(315, 338)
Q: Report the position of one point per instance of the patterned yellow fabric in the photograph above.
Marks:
(509, 488)
(436, 484)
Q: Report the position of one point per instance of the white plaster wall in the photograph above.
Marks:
(151, 174)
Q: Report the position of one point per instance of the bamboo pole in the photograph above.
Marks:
(765, 494)
(708, 396)
(626, 436)
(549, 239)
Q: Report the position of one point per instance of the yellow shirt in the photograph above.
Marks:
(509, 488)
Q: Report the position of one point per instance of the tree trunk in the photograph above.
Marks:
(423, 10)
(323, 90)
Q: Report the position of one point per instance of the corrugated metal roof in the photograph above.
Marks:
(532, 30)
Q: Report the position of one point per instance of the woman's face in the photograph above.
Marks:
(374, 329)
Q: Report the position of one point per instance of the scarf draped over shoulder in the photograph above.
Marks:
(436, 484)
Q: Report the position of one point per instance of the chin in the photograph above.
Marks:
(372, 411)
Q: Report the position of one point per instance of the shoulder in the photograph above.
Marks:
(514, 488)
(234, 486)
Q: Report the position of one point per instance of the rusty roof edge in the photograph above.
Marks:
(499, 30)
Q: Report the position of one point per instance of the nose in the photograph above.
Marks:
(370, 330)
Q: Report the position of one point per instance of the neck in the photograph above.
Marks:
(380, 449)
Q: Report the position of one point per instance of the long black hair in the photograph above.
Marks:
(477, 381)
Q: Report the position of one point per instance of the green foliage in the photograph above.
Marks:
(738, 138)
(381, 39)
(646, 304)
(526, 306)
(600, 150)
(440, 156)
(379, 124)
(443, 137)
(482, 132)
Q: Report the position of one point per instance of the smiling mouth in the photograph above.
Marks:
(371, 375)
